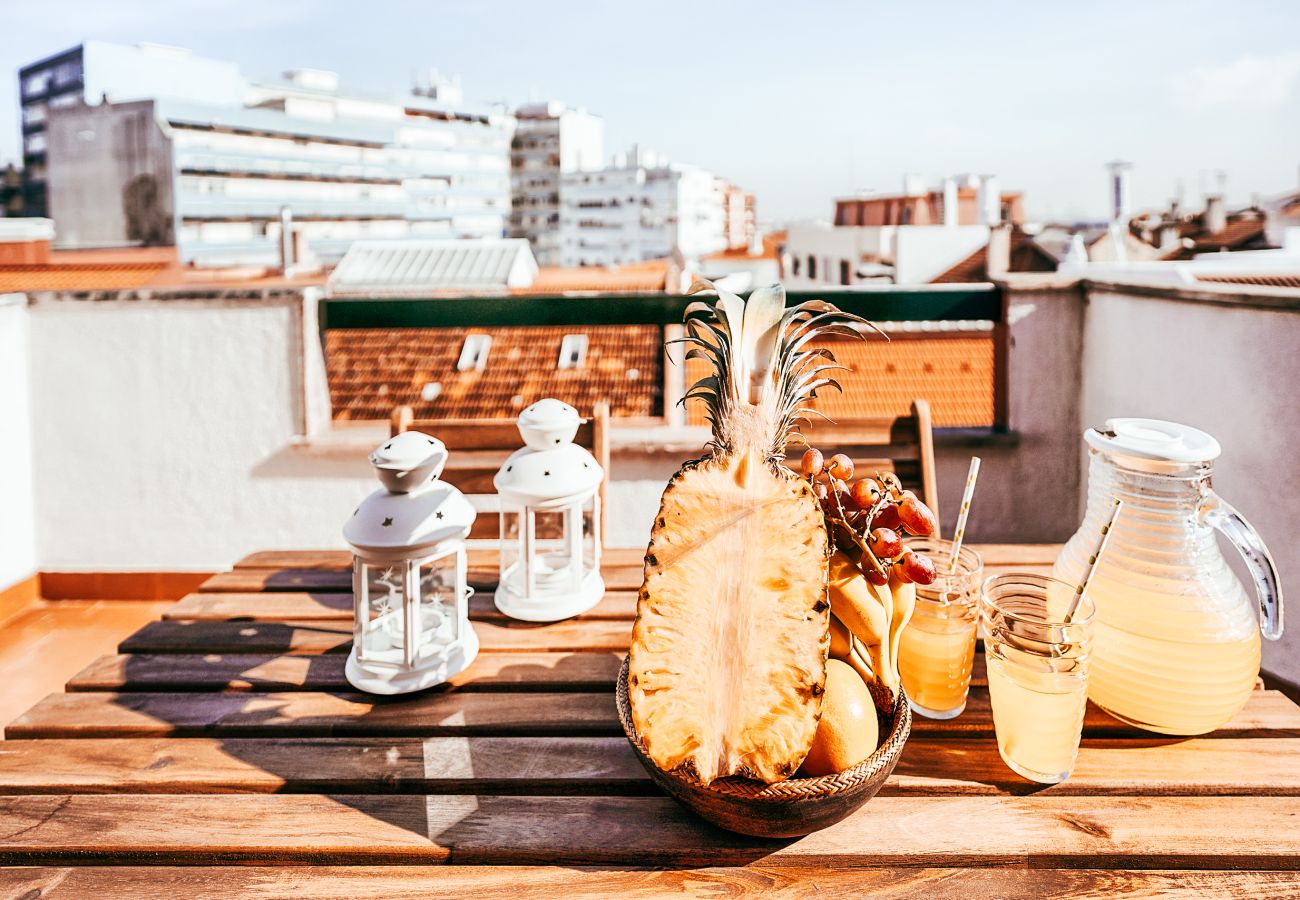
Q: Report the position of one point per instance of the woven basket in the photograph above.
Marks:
(790, 808)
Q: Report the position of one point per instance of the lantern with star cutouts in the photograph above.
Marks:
(550, 519)
(411, 599)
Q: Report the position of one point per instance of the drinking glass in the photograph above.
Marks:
(937, 648)
(1038, 671)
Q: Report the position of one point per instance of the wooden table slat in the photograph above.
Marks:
(600, 765)
(1042, 831)
(335, 636)
(176, 672)
(308, 713)
(416, 882)
(338, 606)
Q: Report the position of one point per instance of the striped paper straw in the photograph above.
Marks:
(1092, 560)
(964, 513)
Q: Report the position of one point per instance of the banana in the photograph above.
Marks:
(868, 612)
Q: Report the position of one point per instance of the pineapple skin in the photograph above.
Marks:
(728, 655)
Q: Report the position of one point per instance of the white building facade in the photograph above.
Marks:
(907, 238)
(550, 139)
(214, 177)
(641, 207)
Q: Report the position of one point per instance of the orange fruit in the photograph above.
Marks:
(848, 731)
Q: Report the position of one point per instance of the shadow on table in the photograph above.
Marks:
(432, 763)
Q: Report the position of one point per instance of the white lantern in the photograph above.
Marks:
(550, 519)
(411, 599)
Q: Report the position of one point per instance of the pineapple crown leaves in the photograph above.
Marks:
(760, 359)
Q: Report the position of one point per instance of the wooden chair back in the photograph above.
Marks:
(903, 445)
(478, 447)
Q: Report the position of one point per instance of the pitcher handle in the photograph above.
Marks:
(1220, 515)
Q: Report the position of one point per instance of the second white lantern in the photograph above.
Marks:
(550, 519)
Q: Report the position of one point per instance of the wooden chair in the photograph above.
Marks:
(478, 447)
(903, 445)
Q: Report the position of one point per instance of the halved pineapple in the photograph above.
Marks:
(728, 658)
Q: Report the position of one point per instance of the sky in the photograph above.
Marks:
(802, 103)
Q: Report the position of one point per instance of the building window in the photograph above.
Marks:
(844, 272)
(474, 353)
(794, 265)
(573, 351)
(812, 267)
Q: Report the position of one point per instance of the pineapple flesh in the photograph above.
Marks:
(728, 657)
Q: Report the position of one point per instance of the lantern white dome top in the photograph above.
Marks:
(408, 460)
(548, 423)
(550, 468)
(413, 512)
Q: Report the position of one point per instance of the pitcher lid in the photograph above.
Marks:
(1154, 439)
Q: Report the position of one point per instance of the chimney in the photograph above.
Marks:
(1121, 204)
(999, 252)
(1216, 214)
(990, 201)
(950, 211)
(286, 241)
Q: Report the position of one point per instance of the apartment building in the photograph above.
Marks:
(912, 237)
(550, 139)
(97, 71)
(218, 171)
(641, 207)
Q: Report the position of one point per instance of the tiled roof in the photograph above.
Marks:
(131, 268)
(1282, 281)
(423, 267)
(954, 373)
(771, 249)
(1243, 231)
(649, 276)
(1026, 256)
(78, 277)
(373, 370)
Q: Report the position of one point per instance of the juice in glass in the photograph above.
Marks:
(937, 648)
(1038, 672)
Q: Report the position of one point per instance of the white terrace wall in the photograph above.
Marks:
(1226, 361)
(17, 541)
(161, 428)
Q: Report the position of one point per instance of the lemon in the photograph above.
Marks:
(848, 731)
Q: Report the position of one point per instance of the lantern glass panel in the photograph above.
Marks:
(591, 513)
(553, 549)
(511, 539)
(438, 607)
(380, 601)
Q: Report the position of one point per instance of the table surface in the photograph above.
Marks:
(225, 735)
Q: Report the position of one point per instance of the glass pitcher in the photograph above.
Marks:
(1176, 643)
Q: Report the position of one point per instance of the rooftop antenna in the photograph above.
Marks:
(1120, 199)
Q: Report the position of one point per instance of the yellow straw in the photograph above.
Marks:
(964, 513)
(1092, 560)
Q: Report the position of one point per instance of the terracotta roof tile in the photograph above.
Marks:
(1026, 256)
(1282, 281)
(954, 373)
(372, 370)
(130, 268)
(771, 249)
(1241, 233)
(78, 277)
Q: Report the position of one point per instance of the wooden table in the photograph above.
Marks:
(226, 734)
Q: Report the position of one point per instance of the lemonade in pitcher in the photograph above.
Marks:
(1176, 644)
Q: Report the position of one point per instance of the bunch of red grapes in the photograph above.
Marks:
(869, 517)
